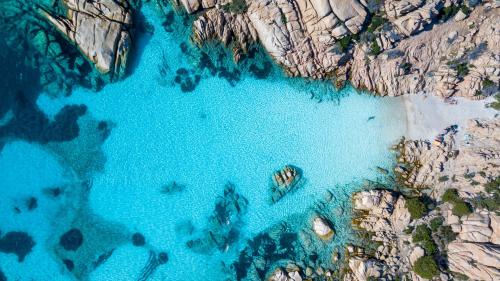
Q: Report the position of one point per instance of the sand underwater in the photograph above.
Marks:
(166, 175)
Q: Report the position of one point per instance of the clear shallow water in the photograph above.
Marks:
(204, 139)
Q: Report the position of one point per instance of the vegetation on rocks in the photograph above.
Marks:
(496, 103)
(462, 68)
(345, 42)
(460, 207)
(416, 208)
(491, 200)
(236, 7)
(375, 48)
(423, 237)
(426, 267)
(436, 223)
(450, 196)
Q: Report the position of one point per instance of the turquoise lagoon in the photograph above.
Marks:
(203, 139)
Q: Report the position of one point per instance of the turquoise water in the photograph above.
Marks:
(202, 140)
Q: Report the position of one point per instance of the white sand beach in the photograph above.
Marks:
(428, 115)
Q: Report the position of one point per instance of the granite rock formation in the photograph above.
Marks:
(467, 163)
(100, 31)
(400, 47)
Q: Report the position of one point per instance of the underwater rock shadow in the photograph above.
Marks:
(142, 33)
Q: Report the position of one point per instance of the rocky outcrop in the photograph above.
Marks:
(477, 261)
(465, 164)
(280, 275)
(322, 228)
(452, 59)
(404, 56)
(362, 269)
(100, 31)
(383, 213)
(300, 35)
(386, 212)
(479, 227)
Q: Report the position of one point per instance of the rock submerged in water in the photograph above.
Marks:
(223, 225)
(18, 243)
(138, 239)
(70, 265)
(284, 181)
(71, 240)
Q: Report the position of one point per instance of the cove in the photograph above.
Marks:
(203, 139)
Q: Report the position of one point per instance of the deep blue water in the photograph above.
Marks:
(140, 134)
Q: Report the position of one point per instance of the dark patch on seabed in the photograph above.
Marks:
(223, 226)
(18, 243)
(28, 122)
(2, 276)
(71, 240)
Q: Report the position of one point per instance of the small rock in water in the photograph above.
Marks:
(32, 203)
(138, 239)
(322, 228)
(285, 181)
(162, 258)
(71, 240)
(70, 265)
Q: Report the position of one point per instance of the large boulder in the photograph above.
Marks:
(100, 30)
(477, 261)
(322, 228)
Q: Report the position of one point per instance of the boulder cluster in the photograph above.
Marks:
(449, 48)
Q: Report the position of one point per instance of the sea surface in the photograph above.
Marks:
(153, 158)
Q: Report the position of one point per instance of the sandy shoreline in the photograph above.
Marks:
(428, 115)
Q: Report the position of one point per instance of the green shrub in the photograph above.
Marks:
(375, 48)
(450, 196)
(493, 186)
(446, 234)
(345, 42)
(461, 209)
(422, 233)
(448, 12)
(408, 230)
(375, 23)
(491, 203)
(283, 18)
(443, 178)
(416, 208)
(488, 83)
(436, 223)
(235, 7)
(496, 103)
(426, 267)
(462, 68)
(430, 247)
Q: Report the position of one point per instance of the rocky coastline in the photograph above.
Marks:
(437, 218)
(447, 48)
